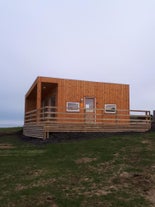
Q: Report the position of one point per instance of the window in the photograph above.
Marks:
(110, 108)
(73, 106)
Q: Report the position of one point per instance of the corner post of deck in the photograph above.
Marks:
(38, 104)
(148, 116)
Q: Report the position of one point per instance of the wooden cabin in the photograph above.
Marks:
(63, 105)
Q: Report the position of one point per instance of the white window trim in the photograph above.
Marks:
(73, 110)
(112, 106)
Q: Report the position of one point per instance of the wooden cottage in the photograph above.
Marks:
(63, 105)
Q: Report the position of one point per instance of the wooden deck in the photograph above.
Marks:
(40, 123)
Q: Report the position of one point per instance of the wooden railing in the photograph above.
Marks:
(40, 123)
(59, 115)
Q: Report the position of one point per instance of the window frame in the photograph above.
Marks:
(72, 110)
(112, 110)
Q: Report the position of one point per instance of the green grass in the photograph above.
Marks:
(117, 171)
(10, 130)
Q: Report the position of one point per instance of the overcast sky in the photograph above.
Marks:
(96, 40)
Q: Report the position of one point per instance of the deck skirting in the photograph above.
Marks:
(43, 130)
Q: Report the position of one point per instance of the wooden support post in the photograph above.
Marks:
(38, 104)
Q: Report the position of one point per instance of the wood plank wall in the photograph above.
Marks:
(105, 93)
(77, 90)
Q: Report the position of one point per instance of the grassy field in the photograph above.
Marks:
(113, 171)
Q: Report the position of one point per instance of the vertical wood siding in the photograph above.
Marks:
(76, 91)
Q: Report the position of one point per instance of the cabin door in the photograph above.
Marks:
(90, 110)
